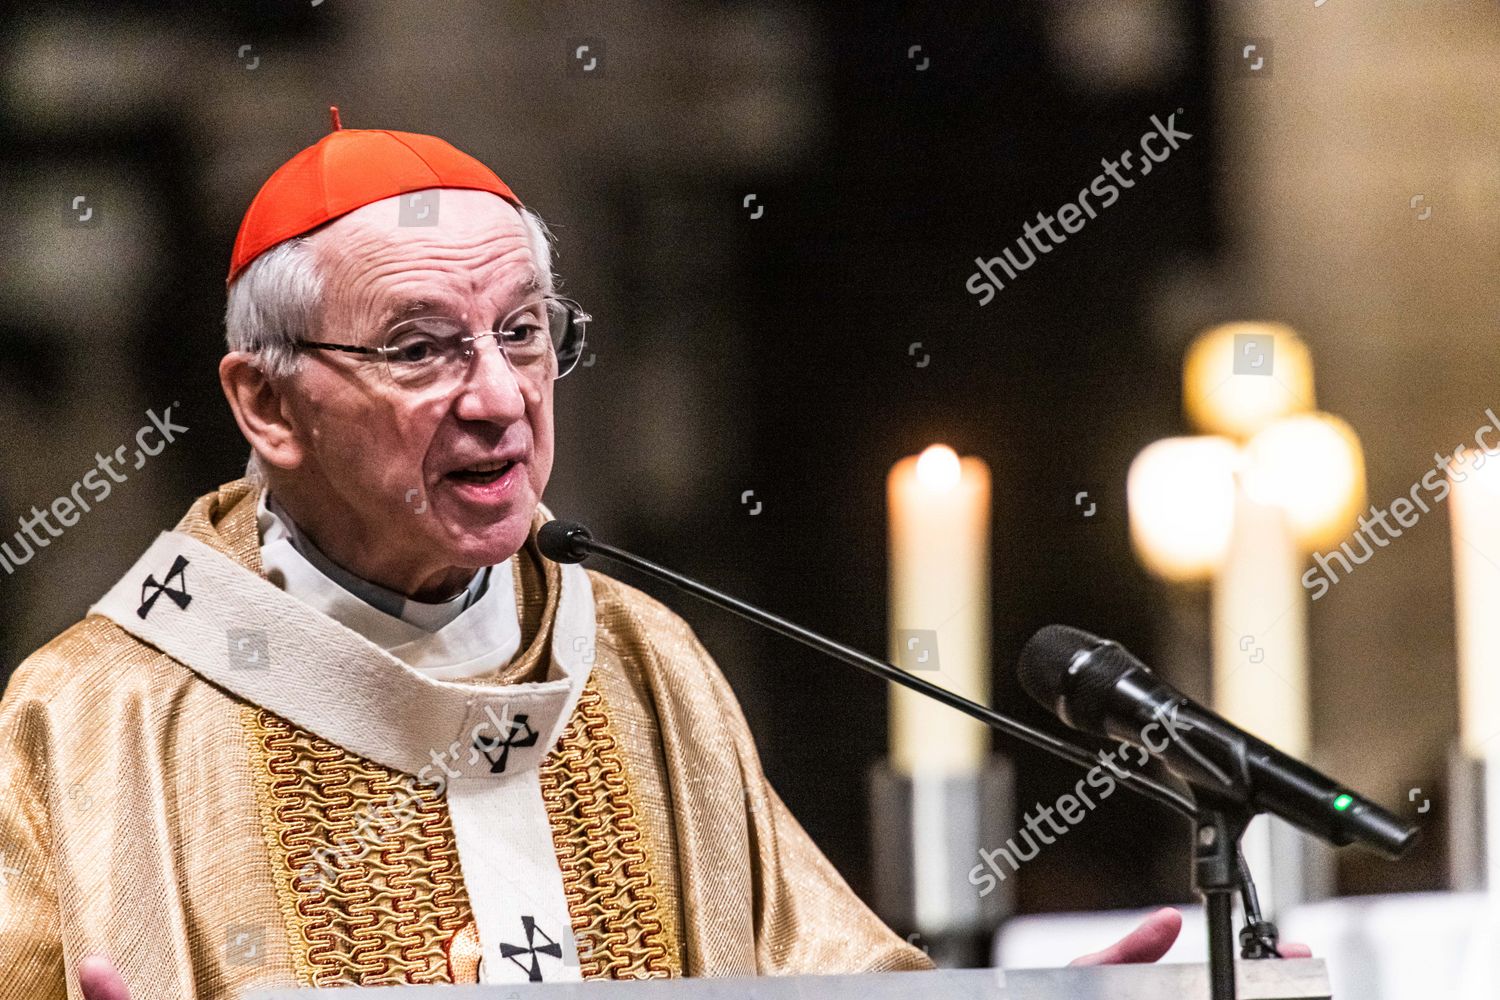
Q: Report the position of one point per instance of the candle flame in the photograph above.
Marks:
(1312, 467)
(1180, 493)
(938, 467)
(1227, 383)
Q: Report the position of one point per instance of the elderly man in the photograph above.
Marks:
(345, 724)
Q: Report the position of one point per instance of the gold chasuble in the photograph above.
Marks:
(239, 802)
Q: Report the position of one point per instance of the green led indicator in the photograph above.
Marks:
(1343, 802)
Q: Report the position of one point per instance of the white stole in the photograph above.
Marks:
(481, 744)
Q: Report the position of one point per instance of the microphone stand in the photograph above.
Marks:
(1219, 869)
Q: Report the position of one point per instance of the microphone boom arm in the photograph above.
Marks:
(573, 543)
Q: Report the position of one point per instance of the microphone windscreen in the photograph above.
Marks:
(1072, 672)
(1043, 666)
(560, 541)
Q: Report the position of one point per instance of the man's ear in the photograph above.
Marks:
(260, 409)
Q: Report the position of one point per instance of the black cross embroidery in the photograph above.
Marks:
(178, 597)
(513, 738)
(510, 951)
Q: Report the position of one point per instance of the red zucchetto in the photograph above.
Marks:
(347, 169)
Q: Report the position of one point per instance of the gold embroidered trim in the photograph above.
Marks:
(603, 851)
(364, 858)
(266, 807)
(396, 911)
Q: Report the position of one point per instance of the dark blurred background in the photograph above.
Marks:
(776, 353)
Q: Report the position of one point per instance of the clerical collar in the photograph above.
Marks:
(475, 631)
(275, 524)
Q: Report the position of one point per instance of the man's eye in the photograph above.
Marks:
(411, 353)
(415, 349)
(523, 333)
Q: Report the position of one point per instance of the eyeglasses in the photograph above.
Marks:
(434, 352)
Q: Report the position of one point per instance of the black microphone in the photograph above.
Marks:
(564, 541)
(1096, 686)
(570, 542)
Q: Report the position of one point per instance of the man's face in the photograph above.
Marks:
(406, 479)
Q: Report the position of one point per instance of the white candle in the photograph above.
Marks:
(1260, 629)
(1260, 671)
(939, 510)
(1475, 524)
(1476, 590)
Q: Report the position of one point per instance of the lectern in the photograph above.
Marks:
(1270, 979)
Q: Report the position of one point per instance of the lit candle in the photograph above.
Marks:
(1303, 484)
(939, 510)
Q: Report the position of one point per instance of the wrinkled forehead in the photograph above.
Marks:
(441, 250)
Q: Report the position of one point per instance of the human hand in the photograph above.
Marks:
(1154, 937)
(100, 980)
(1147, 943)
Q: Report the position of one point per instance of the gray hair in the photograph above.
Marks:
(272, 303)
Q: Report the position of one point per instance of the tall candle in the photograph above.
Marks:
(1260, 629)
(939, 510)
(1476, 590)
(1260, 675)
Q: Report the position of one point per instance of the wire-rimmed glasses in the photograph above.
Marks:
(435, 352)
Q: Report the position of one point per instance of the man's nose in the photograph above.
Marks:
(492, 387)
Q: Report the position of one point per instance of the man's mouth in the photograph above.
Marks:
(481, 472)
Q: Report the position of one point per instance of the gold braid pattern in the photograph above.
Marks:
(361, 908)
(367, 871)
(603, 852)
